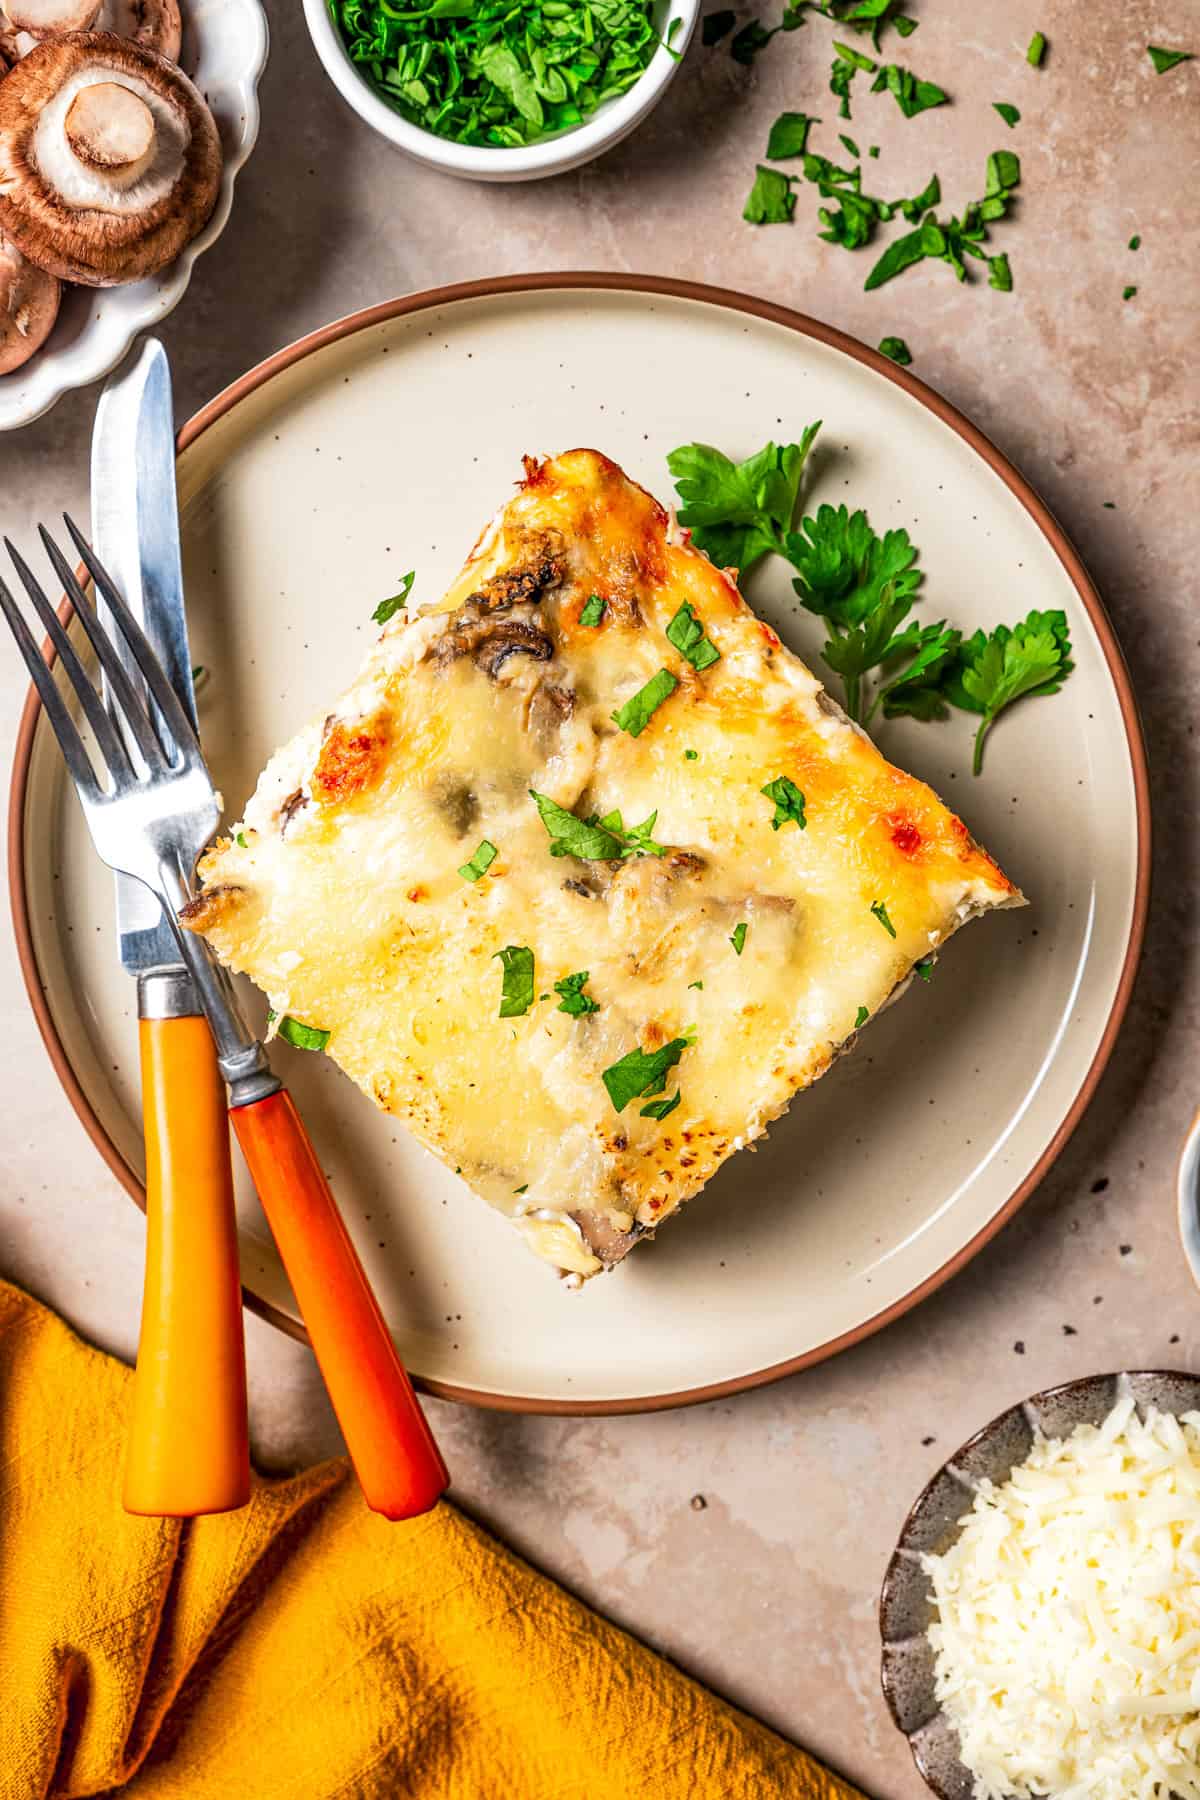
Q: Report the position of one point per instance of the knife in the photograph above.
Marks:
(187, 1450)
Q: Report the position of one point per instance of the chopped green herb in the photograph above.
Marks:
(849, 144)
(387, 609)
(897, 349)
(958, 238)
(516, 994)
(846, 66)
(999, 273)
(1135, 242)
(200, 676)
(911, 94)
(788, 802)
(924, 968)
(695, 984)
(881, 913)
(992, 671)
(874, 150)
(1167, 59)
(1008, 113)
(239, 838)
(595, 839)
(691, 756)
(523, 1189)
(1003, 171)
(860, 1018)
(737, 512)
(716, 26)
(1110, 505)
(789, 135)
(593, 611)
(572, 998)
(659, 1109)
(640, 708)
(480, 863)
(687, 634)
(642, 1072)
(301, 1037)
(1036, 50)
(738, 940)
(497, 75)
(1128, 293)
(771, 200)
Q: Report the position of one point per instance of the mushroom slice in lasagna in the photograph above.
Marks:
(585, 876)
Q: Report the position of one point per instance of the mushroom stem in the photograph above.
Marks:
(110, 129)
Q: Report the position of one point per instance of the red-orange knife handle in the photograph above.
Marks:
(390, 1443)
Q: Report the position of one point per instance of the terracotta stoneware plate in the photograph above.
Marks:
(382, 444)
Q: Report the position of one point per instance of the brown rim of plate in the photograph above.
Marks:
(670, 288)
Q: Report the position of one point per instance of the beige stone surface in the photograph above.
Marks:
(768, 1592)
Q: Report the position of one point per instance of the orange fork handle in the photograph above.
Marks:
(390, 1443)
(187, 1450)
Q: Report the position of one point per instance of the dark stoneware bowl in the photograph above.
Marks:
(905, 1606)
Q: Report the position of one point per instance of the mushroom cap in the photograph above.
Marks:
(66, 216)
(28, 307)
(50, 18)
(154, 24)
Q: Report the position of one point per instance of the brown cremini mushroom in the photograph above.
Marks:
(28, 307)
(154, 24)
(50, 18)
(109, 159)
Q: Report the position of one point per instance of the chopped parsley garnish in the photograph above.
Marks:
(771, 200)
(688, 636)
(860, 1018)
(497, 74)
(924, 968)
(1008, 113)
(659, 1109)
(788, 802)
(717, 25)
(1135, 242)
(572, 998)
(881, 913)
(480, 863)
(738, 940)
(640, 708)
(523, 1189)
(789, 135)
(1128, 293)
(749, 41)
(1167, 59)
(642, 1072)
(595, 839)
(958, 238)
(691, 756)
(1036, 50)
(846, 65)
(516, 994)
(999, 273)
(912, 95)
(594, 610)
(737, 512)
(695, 984)
(387, 609)
(301, 1037)
(239, 838)
(897, 349)
(848, 144)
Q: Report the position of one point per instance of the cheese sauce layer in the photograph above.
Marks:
(340, 893)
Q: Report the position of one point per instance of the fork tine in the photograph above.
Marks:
(111, 748)
(61, 722)
(125, 695)
(174, 718)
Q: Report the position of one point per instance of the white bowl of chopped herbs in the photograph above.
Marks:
(501, 90)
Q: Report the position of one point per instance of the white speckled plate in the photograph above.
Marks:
(383, 443)
(224, 50)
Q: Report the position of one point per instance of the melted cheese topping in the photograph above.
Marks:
(347, 907)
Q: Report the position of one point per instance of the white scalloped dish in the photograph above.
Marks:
(224, 50)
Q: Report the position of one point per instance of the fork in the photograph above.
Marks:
(156, 813)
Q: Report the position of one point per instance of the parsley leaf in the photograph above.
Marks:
(688, 636)
(771, 200)
(642, 1072)
(480, 863)
(716, 26)
(1128, 293)
(915, 692)
(911, 94)
(640, 708)
(848, 144)
(594, 611)
(924, 968)
(881, 913)
(788, 802)
(999, 273)
(860, 1018)
(1135, 242)
(958, 238)
(1036, 50)
(659, 1109)
(897, 349)
(992, 671)
(1167, 59)
(387, 609)
(595, 839)
(900, 254)
(738, 940)
(852, 652)
(239, 838)
(691, 756)
(301, 1037)
(572, 998)
(789, 135)
(516, 994)
(1008, 113)
(737, 512)
(842, 566)
(749, 41)
(846, 66)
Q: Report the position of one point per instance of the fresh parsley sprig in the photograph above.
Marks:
(738, 512)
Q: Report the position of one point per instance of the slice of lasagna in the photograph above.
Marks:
(585, 875)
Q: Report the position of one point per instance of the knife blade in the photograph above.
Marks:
(135, 526)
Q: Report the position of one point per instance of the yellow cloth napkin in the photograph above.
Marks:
(303, 1648)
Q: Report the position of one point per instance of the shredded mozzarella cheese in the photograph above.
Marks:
(1067, 1636)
